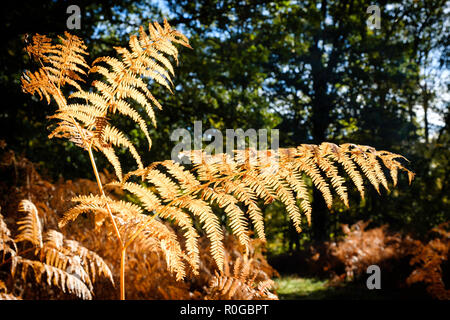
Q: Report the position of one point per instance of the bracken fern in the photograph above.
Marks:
(171, 191)
(50, 259)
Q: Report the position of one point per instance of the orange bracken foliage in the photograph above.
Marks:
(428, 259)
(147, 269)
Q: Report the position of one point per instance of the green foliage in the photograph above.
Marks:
(294, 288)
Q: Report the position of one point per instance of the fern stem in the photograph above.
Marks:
(122, 272)
(123, 248)
(100, 186)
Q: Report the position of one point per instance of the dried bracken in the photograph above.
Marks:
(405, 261)
(428, 259)
(51, 259)
(240, 284)
(236, 186)
(362, 247)
(232, 183)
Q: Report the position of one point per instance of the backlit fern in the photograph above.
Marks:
(171, 191)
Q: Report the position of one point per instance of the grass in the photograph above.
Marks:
(294, 288)
(291, 287)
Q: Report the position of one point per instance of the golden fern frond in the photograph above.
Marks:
(40, 84)
(68, 128)
(123, 78)
(221, 169)
(60, 262)
(112, 135)
(50, 254)
(123, 86)
(130, 218)
(338, 154)
(149, 200)
(157, 233)
(284, 194)
(362, 160)
(224, 288)
(71, 255)
(298, 185)
(275, 175)
(165, 186)
(185, 178)
(71, 264)
(91, 261)
(331, 171)
(218, 169)
(349, 156)
(68, 60)
(62, 63)
(153, 204)
(393, 165)
(371, 157)
(39, 47)
(168, 190)
(237, 221)
(53, 276)
(248, 197)
(306, 162)
(214, 179)
(210, 223)
(183, 220)
(87, 204)
(254, 182)
(97, 205)
(240, 284)
(7, 243)
(172, 210)
(206, 166)
(110, 154)
(125, 81)
(30, 228)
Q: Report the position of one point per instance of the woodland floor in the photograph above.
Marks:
(292, 287)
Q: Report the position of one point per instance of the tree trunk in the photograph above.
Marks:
(320, 218)
(321, 118)
(426, 101)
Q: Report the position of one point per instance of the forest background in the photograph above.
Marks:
(315, 70)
